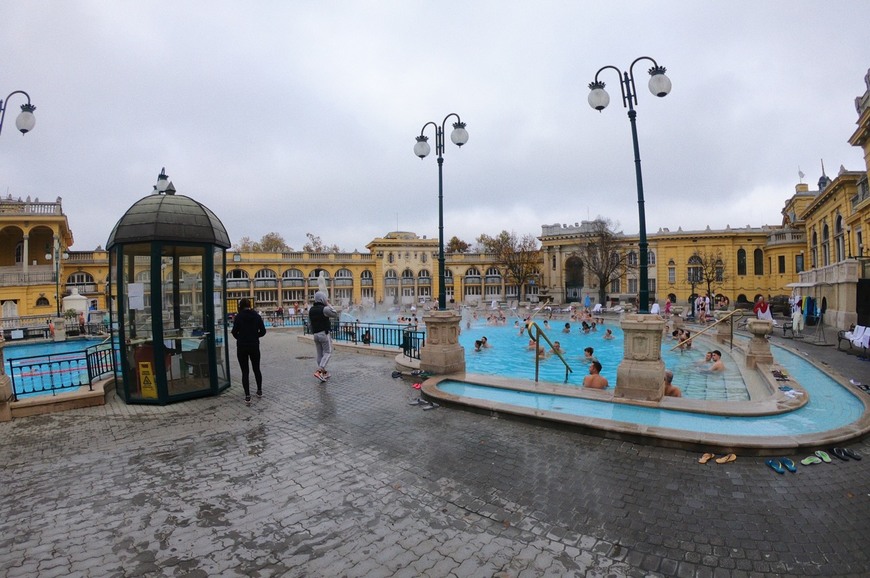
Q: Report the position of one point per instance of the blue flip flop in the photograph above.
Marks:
(777, 467)
(789, 465)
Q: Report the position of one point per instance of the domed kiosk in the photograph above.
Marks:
(167, 258)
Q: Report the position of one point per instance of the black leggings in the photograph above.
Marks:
(244, 353)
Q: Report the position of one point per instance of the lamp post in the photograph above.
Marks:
(25, 121)
(459, 136)
(659, 85)
(56, 256)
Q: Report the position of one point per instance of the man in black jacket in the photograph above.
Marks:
(248, 328)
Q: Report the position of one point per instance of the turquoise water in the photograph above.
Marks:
(830, 406)
(38, 377)
(511, 355)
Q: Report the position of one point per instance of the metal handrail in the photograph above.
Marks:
(538, 334)
(730, 317)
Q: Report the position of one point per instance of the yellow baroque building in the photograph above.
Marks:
(818, 250)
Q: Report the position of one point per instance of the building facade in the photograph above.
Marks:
(819, 250)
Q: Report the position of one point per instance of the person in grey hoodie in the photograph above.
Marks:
(319, 316)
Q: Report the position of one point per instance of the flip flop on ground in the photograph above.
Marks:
(810, 460)
(725, 459)
(789, 464)
(706, 458)
(823, 455)
(852, 454)
(775, 465)
(839, 453)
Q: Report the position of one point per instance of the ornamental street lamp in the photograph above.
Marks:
(459, 136)
(25, 121)
(659, 85)
(56, 256)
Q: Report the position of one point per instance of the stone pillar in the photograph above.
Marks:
(641, 374)
(59, 329)
(442, 353)
(5, 386)
(759, 347)
(723, 330)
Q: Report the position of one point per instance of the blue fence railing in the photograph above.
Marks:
(406, 338)
(56, 372)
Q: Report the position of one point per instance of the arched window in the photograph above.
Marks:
(650, 257)
(632, 259)
(814, 250)
(473, 271)
(315, 274)
(343, 274)
(234, 274)
(672, 272)
(758, 261)
(390, 274)
(424, 274)
(839, 240)
(292, 274)
(265, 274)
(720, 270)
(741, 261)
(42, 301)
(366, 275)
(826, 239)
(695, 270)
(407, 274)
(390, 258)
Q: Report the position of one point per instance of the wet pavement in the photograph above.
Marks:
(347, 479)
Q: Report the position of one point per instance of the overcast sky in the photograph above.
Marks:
(299, 117)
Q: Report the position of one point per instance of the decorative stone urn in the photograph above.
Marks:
(677, 317)
(641, 374)
(442, 353)
(759, 347)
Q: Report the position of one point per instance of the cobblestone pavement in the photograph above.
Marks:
(347, 479)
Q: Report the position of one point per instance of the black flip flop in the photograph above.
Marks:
(852, 454)
(840, 453)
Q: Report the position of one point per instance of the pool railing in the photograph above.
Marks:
(57, 372)
(405, 337)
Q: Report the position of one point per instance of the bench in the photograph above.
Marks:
(856, 338)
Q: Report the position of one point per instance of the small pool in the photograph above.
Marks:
(66, 370)
(831, 406)
(511, 355)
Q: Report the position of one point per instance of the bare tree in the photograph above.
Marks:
(273, 243)
(456, 245)
(603, 254)
(519, 257)
(710, 268)
(315, 245)
(244, 244)
(269, 243)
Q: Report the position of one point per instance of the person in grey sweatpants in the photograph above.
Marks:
(319, 316)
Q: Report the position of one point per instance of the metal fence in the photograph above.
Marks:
(406, 338)
(54, 372)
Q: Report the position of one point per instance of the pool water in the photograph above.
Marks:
(511, 355)
(37, 378)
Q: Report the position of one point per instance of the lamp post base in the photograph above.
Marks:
(442, 353)
(641, 375)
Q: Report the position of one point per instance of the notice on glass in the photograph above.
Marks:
(136, 296)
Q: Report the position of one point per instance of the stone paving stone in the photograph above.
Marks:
(346, 479)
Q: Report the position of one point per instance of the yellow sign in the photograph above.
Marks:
(146, 380)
